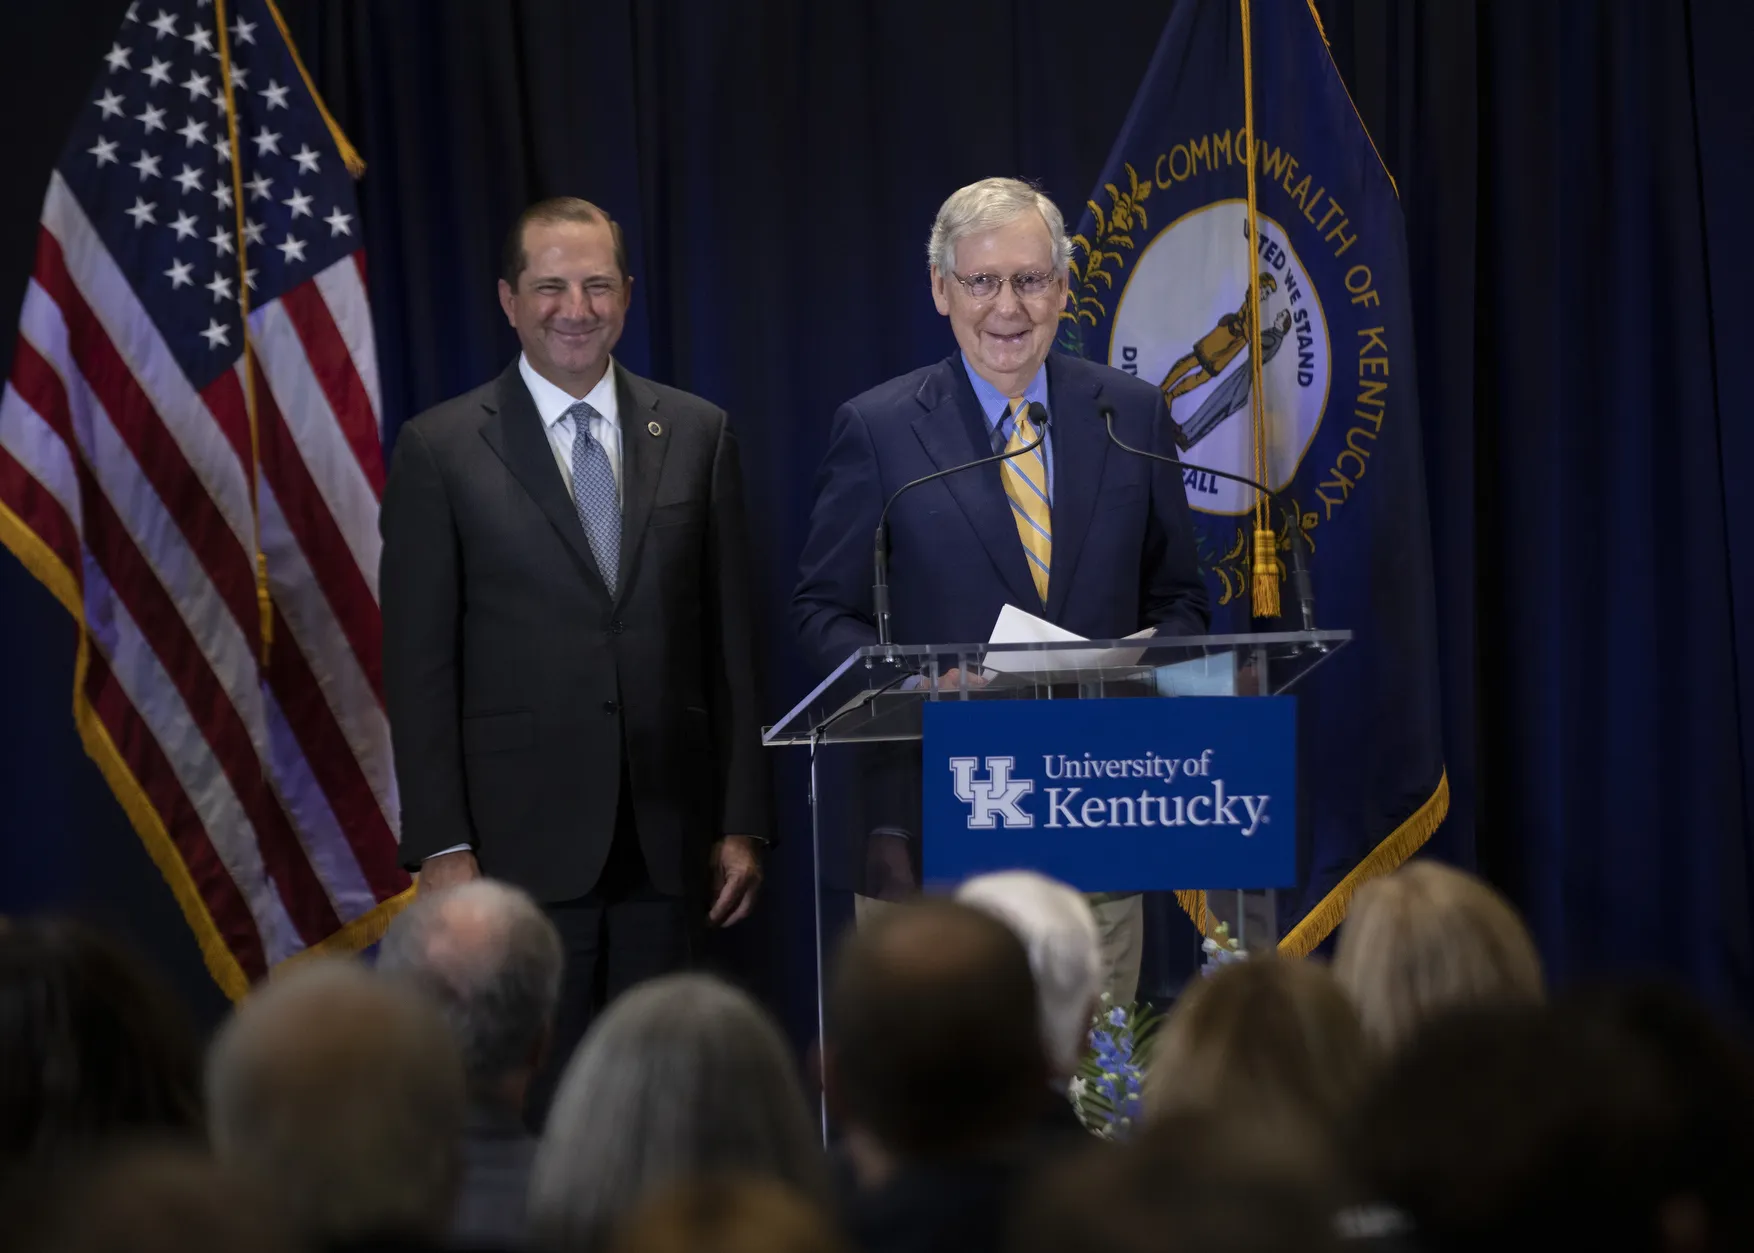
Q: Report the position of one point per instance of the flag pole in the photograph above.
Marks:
(264, 600)
(1265, 596)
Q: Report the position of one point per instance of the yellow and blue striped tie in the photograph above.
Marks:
(1026, 483)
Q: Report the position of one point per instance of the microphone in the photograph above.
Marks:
(1036, 413)
(1300, 582)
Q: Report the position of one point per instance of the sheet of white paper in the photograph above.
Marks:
(1017, 627)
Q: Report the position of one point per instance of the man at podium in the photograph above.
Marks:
(1074, 530)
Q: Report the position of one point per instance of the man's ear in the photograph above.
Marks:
(940, 297)
(507, 299)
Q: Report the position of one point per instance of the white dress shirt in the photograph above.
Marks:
(551, 406)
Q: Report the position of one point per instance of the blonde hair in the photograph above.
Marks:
(1430, 938)
(1269, 1039)
(726, 1213)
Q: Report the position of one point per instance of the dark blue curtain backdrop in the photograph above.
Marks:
(1573, 176)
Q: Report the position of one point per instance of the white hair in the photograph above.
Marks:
(1059, 931)
(988, 205)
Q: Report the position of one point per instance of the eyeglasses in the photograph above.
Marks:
(984, 287)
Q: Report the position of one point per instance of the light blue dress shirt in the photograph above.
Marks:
(995, 407)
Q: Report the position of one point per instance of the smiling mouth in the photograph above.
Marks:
(1016, 337)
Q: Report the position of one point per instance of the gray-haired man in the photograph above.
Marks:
(491, 959)
(1087, 537)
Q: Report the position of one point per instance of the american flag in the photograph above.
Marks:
(183, 501)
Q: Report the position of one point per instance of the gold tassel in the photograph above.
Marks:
(1194, 903)
(1266, 563)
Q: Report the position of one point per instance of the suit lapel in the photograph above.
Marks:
(1080, 449)
(953, 432)
(642, 463)
(515, 432)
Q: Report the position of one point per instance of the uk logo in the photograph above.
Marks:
(994, 797)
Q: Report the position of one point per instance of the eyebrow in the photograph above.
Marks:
(589, 278)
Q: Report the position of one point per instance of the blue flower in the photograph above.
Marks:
(1117, 1017)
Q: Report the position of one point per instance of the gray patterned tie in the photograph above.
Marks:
(593, 493)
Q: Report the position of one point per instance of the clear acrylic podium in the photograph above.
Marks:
(862, 727)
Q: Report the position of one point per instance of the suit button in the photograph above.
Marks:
(617, 627)
(611, 707)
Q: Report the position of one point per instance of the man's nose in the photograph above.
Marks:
(1007, 301)
(575, 305)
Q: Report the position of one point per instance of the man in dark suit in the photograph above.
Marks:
(568, 654)
(1078, 532)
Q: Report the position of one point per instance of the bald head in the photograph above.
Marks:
(932, 1031)
(344, 1094)
(491, 959)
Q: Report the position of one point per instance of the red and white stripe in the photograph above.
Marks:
(274, 783)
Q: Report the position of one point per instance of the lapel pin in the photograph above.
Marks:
(654, 428)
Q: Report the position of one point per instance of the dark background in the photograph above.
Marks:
(1573, 173)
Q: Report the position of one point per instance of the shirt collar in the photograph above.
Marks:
(994, 403)
(552, 402)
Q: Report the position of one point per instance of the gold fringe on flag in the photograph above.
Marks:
(1396, 847)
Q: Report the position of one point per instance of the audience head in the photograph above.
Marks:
(491, 959)
(1710, 1076)
(1430, 938)
(726, 1213)
(90, 1045)
(933, 1044)
(343, 1093)
(1059, 933)
(150, 1197)
(1515, 1126)
(1266, 1039)
(1201, 1182)
(681, 1075)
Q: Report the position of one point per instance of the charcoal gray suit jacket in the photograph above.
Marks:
(518, 686)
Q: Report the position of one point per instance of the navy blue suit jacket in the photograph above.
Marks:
(1123, 555)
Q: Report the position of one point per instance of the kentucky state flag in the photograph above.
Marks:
(1160, 288)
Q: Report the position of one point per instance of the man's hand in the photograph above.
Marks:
(447, 870)
(736, 880)
(956, 677)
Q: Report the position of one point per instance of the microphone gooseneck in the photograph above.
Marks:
(1036, 413)
(1301, 587)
